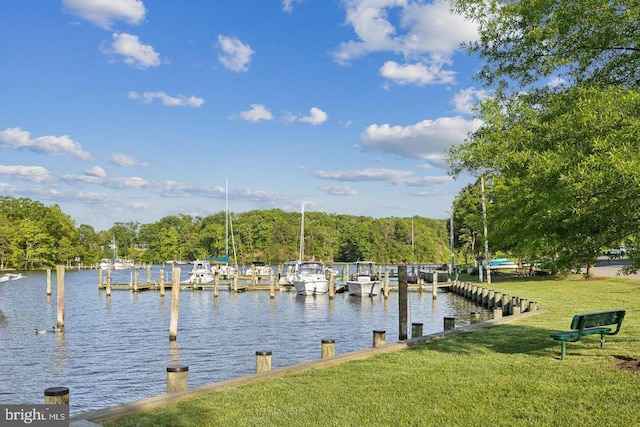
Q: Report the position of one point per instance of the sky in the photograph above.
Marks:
(133, 110)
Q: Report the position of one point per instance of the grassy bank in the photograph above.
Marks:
(505, 375)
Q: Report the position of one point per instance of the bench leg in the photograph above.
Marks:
(601, 340)
(563, 344)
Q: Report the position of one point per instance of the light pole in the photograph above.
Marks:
(452, 266)
(484, 221)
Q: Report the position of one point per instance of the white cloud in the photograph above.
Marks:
(120, 159)
(35, 174)
(393, 176)
(368, 174)
(316, 116)
(425, 34)
(133, 52)
(54, 145)
(419, 74)
(116, 182)
(104, 12)
(340, 190)
(423, 140)
(287, 5)
(257, 113)
(96, 171)
(167, 101)
(235, 55)
(464, 100)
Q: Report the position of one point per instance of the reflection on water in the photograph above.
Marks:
(115, 349)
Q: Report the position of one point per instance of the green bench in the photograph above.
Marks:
(590, 324)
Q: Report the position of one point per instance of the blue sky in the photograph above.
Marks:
(132, 110)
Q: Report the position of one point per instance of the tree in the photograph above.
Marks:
(467, 220)
(562, 157)
(524, 42)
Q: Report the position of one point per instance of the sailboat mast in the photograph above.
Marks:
(226, 218)
(301, 256)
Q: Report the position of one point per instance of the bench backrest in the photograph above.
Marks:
(602, 318)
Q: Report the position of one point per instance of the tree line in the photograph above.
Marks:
(33, 236)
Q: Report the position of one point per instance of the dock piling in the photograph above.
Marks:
(449, 323)
(379, 338)
(175, 304)
(177, 378)
(60, 292)
(263, 361)
(56, 396)
(328, 348)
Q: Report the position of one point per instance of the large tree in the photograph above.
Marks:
(563, 158)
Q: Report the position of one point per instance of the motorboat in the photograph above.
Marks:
(106, 264)
(259, 269)
(123, 264)
(366, 281)
(288, 273)
(200, 273)
(311, 279)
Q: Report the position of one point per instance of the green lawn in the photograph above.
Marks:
(505, 375)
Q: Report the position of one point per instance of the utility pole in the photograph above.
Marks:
(452, 266)
(484, 221)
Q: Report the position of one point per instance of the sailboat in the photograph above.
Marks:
(310, 278)
(226, 270)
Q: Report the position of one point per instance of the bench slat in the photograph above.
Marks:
(590, 324)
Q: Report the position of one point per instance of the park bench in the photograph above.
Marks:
(590, 324)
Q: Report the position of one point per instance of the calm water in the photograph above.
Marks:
(115, 350)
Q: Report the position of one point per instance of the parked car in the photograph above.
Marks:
(620, 251)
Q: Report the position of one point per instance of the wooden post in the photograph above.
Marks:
(272, 284)
(386, 284)
(332, 288)
(161, 279)
(177, 378)
(216, 279)
(56, 396)
(148, 274)
(108, 283)
(379, 338)
(99, 278)
(263, 361)
(416, 330)
(328, 347)
(175, 304)
(403, 302)
(135, 281)
(434, 290)
(48, 282)
(60, 292)
(449, 323)
(475, 316)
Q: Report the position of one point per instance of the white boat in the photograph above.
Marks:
(106, 264)
(288, 273)
(123, 264)
(11, 276)
(226, 271)
(365, 283)
(200, 273)
(311, 279)
(259, 270)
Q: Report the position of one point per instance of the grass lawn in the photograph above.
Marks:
(504, 375)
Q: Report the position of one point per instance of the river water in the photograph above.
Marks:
(115, 350)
